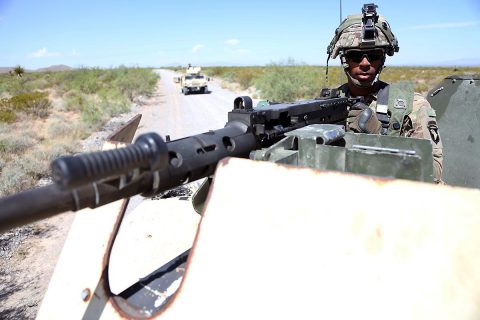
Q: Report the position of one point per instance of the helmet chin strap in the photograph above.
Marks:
(360, 84)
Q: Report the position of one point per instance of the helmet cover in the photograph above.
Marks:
(350, 35)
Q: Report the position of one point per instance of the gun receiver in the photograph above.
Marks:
(150, 165)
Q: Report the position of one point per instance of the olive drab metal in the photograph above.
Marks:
(329, 147)
(456, 101)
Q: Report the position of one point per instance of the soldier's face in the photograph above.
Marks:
(364, 64)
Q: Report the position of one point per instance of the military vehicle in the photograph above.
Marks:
(193, 80)
(316, 223)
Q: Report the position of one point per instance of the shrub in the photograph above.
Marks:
(18, 71)
(57, 150)
(13, 178)
(134, 82)
(74, 100)
(281, 82)
(35, 103)
(60, 128)
(7, 116)
(4, 128)
(91, 112)
(245, 77)
(14, 145)
(3, 146)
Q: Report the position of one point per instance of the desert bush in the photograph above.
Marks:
(23, 172)
(34, 103)
(4, 145)
(114, 107)
(57, 150)
(245, 77)
(133, 82)
(288, 82)
(38, 84)
(61, 128)
(18, 144)
(20, 174)
(18, 71)
(14, 86)
(215, 71)
(14, 179)
(91, 112)
(7, 116)
(31, 165)
(73, 100)
(4, 128)
(14, 145)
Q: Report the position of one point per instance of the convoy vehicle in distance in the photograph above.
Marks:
(193, 80)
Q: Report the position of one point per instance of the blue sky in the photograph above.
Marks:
(108, 33)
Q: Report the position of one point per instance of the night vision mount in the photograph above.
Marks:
(369, 19)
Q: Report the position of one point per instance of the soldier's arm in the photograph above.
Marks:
(422, 124)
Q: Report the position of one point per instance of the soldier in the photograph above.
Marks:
(363, 41)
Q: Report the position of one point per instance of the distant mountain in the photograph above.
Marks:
(5, 69)
(59, 67)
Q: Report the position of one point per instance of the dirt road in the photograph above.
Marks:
(179, 116)
(28, 255)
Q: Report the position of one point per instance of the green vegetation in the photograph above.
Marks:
(45, 114)
(97, 94)
(18, 71)
(33, 103)
(299, 81)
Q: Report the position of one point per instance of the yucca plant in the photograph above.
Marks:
(18, 71)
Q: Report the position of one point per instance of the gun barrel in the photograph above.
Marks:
(149, 152)
(44, 202)
(31, 205)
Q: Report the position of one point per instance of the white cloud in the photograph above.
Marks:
(198, 47)
(75, 53)
(41, 53)
(450, 25)
(232, 42)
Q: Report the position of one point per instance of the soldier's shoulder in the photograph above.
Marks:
(419, 101)
(418, 96)
(421, 104)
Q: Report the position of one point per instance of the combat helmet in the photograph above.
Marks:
(363, 31)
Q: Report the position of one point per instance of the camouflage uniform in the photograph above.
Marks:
(422, 124)
(421, 121)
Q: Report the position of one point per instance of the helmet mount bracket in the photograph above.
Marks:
(369, 19)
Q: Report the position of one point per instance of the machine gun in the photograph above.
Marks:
(151, 165)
